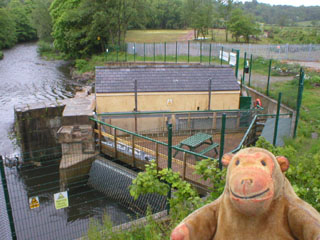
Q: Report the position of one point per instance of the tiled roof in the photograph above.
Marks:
(160, 78)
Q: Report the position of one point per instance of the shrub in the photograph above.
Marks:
(303, 172)
(45, 47)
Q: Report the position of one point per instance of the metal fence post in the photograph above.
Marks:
(144, 52)
(154, 52)
(210, 49)
(299, 101)
(125, 53)
(237, 64)
(165, 51)
(188, 51)
(250, 70)
(176, 51)
(244, 66)
(221, 55)
(275, 133)
(201, 51)
(117, 52)
(169, 159)
(223, 127)
(269, 74)
(7, 199)
(134, 52)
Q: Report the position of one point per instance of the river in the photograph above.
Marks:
(26, 78)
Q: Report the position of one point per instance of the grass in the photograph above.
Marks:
(48, 52)
(1, 55)
(150, 36)
(281, 35)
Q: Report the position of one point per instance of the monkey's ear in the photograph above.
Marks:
(283, 162)
(226, 159)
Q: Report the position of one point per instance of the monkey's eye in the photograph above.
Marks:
(237, 162)
(263, 163)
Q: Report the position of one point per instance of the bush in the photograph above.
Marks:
(303, 172)
(45, 47)
(1, 55)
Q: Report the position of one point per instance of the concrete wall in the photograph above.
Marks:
(175, 101)
(36, 127)
(270, 105)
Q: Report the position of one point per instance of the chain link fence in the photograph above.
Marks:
(298, 52)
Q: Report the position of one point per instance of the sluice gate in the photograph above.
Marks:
(114, 181)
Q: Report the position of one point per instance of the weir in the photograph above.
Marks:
(114, 181)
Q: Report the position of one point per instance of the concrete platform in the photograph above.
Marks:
(71, 160)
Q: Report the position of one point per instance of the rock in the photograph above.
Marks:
(314, 135)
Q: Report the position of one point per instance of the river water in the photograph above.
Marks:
(26, 78)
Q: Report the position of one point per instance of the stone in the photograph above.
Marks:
(314, 135)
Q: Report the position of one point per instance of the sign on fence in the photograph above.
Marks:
(34, 202)
(224, 55)
(233, 59)
(61, 200)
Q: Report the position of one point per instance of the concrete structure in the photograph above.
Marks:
(39, 125)
(164, 88)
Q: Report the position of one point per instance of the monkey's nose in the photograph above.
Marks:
(247, 181)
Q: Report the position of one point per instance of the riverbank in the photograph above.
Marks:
(1, 55)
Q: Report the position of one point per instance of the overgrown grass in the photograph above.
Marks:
(48, 51)
(150, 36)
(1, 55)
(152, 230)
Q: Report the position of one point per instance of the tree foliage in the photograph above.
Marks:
(82, 27)
(242, 25)
(41, 19)
(7, 29)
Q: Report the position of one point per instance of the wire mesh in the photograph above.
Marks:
(303, 52)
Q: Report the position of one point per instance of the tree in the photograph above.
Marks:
(241, 24)
(225, 9)
(21, 14)
(7, 29)
(199, 14)
(83, 27)
(41, 19)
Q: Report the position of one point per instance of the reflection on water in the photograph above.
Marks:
(26, 78)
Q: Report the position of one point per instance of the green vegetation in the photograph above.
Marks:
(150, 36)
(1, 55)
(243, 25)
(48, 51)
(184, 200)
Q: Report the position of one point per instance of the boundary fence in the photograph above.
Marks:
(297, 52)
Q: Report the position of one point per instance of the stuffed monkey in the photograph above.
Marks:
(258, 203)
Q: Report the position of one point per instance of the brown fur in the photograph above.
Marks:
(258, 203)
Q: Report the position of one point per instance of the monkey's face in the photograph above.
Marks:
(251, 183)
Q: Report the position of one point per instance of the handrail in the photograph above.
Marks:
(150, 139)
(177, 112)
(251, 125)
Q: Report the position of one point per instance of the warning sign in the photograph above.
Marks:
(61, 200)
(34, 202)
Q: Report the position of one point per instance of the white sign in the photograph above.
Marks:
(233, 59)
(61, 200)
(224, 55)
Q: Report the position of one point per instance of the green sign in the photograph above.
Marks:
(61, 200)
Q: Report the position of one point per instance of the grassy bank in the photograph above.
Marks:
(1, 55)
(48, 52)
(274, 35)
